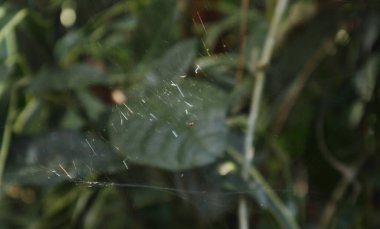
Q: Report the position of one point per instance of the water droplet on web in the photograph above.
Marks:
(129, 109)
(175, 133)
(65, 171)
(56, 173)
(189, 104)
(178, 88)
(92, 149)
(190, 123)
(197, 69)
(153, 116)
(183, 76)
(75, 167)
(125, 164)
(122, 113)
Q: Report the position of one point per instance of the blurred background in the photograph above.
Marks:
(134, 113)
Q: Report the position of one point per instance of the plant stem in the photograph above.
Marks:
(5, 143)
(249, 150)
(243, 213)
(294, 91)
(348, 172)
(12, 23)
(274, 203)
(243, 39)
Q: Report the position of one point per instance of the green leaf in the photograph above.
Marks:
(182, 126)
(4, 78)
(93, 106)
(106, 210)
(265, 195)
(12, 23)
(75, 77)
(59, 156)
(71, 120)
(68, 48)
(172, 65)
(365, 79)
(155, 29)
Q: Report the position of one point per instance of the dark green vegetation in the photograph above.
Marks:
(135, 115)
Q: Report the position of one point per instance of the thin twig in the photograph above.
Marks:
(348, 173)
(6, 141)
(243, 213)
(255, 102)
(340, 189)
(271, 37)
(260, 186)
(259, 82)
(242, 38)
(298, 85)
(12, 23)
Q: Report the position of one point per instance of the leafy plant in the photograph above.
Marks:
(157, 114)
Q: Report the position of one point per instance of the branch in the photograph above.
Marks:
(243, 40)
(295, 89)
(6, 141)
(348, 173)
(259, 83)
(249, 150)
(261, 189)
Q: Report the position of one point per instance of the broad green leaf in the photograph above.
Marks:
(75, 77)
(58, 156)
(181, 126)
(156, 29)
(173, 65)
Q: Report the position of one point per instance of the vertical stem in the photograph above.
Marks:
(8, 33)
(242, 38)
(249, 150)
(243, 210)
(5, 143)
(243, 213)
(271, 36)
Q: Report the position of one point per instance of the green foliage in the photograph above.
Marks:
(60, 155)
(132, 116)
(76, 77)
(180, 126)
